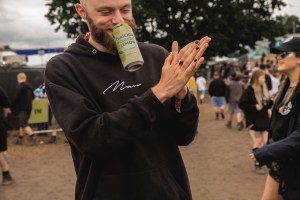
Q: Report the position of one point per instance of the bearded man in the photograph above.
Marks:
(124, 128)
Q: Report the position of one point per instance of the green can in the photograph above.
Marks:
(127, 47)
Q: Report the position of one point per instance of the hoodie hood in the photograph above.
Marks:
(83, 48)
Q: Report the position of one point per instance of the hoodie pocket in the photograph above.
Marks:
(156, 184)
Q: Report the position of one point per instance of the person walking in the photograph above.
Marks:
(217, 90)
(235, 89)
(201, 85)
(255, 103)
(4, 111)
(282, 152)
(192, 85)
(22, 105)
(124, 128)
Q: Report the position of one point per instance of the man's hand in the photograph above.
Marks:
(178, 68)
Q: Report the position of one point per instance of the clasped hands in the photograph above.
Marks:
(179, 66)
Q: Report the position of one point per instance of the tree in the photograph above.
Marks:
(232, 24)
(290, 23)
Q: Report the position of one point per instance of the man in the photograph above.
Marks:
(217, 90)
(124, 127)
(201, 85)
(4, 111)
(22, 105)
(235, 89)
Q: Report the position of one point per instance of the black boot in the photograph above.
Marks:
(31, 141)
(217, 115)
(19, 141)
(51, 140)
(7, 179)
(222, 114)
(240, 126)
(228, 125)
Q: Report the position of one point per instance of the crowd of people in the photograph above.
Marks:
(21, 107)
(265, 100)
(125, 128)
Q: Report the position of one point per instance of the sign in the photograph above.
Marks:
(39, 112)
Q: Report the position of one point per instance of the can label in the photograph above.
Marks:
(127, 47)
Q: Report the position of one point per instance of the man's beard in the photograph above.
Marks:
(102, 37)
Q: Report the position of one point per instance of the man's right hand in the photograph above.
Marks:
(179, 67)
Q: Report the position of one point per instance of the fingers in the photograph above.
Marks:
(191, 61)
(184, 52)
(175, 47)
(205, 39)
(190, 57)
(169, 59)
(175, 51)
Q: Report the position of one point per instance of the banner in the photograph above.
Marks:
(39, 112)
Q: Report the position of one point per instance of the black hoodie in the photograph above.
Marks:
(22, 100)
(285, 132)
(124, 142)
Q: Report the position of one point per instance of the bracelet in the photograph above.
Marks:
(178, 105)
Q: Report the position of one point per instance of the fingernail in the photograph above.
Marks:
(197, 48)
(197, 41)
(195, 60)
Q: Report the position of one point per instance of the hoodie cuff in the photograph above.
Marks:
(149, 105)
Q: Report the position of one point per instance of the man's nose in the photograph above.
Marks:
(118, 18)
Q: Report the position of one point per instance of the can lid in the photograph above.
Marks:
(134, 67)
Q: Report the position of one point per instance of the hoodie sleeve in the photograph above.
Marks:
(286, 149)
(182, 125)
(4, 101)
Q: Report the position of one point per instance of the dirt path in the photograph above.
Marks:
(217, 163)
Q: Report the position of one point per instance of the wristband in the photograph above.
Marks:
(178, 105)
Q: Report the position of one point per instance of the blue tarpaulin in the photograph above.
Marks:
(38, 51)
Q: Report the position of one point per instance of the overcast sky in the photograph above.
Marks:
(23, 25)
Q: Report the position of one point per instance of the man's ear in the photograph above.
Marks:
(80, 10)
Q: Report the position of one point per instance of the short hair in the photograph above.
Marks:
(22, 76)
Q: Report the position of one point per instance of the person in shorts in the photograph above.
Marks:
(4, 111)
(22, 105)
(235, 90)
(217, 90)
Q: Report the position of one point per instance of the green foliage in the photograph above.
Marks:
(232, 24)
(62, 13)
(290, 23)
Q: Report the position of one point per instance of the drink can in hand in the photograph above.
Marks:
(127, 47)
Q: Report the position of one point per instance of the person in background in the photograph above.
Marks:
(235, 89)
(4, 111)
(275, 84)
(217, 90)
(22, 105)
(201, 85)
(193, 86)
(255, 103)
(282, 153)
(54, 129)
(124, 128)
